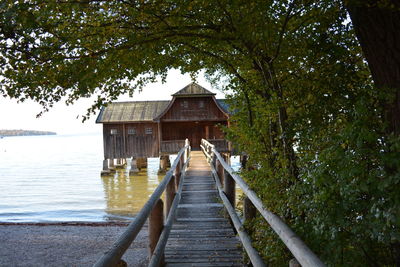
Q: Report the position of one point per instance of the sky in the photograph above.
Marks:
(62, 119)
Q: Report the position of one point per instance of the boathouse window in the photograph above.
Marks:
(149, 131)
(132, 131)
(201, 104)
(114, 131)
(185, 104)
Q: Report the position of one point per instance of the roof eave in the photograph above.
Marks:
(118, 122)
(100, 115)
(192, 95)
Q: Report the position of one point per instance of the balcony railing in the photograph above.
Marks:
(220, 145)
(172, 146)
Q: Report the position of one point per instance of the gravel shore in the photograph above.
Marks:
(65, 244)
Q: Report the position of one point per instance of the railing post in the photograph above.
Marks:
(188, 153)
(221, 172)
(249, 211)
(294, 263)
(169, 195)
(186, 150)
(230, 188)
(181, 163)
(156, 224)
(177, 175)
(213, 160)
(243, 161)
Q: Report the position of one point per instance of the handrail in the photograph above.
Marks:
(255, 258)
(298, 248)
(113, 256)
(159, 250)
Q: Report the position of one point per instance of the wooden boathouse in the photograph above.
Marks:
(191, 215)
(143, 129)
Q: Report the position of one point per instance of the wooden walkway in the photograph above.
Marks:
(202, 234)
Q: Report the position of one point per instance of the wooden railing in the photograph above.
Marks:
(220, 145)
(171, 146)
(153, 209)
(225, 179)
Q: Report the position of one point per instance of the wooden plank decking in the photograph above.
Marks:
(202, 234)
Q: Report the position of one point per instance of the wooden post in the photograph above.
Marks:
(221, 173)
(156, 224)
(168, 161)
(177, 175)
(111, 164)
(181, 163)
(105, 165)
(230, 188)
(105, 170)
(189, 151)
(249, 211)
(294, 263)
(186, 150)
(123, 162)
(227, 158)
(214, 160)
(169, 195)
(120, 163)
(159, 136)
(134, 169)
(141, 163)
(164, 162)
(243, 161)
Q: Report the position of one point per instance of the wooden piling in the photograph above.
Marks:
(134, 169)
(141, 163)
(164, 164)
(105, 171)
(168, 161)
(156, 224)
(111, 164)
(121, 162)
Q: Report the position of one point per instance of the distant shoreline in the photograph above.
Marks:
(7, 133)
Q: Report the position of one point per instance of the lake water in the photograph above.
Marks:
(57, 178)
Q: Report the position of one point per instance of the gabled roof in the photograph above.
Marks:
(136, 111)
(193, 89)
(142, 111)
(223, 105)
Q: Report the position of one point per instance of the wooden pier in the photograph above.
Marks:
(194, 228)
(202, 234)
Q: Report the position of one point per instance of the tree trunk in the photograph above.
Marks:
(377, 28)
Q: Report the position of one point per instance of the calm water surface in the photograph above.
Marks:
(57, 178)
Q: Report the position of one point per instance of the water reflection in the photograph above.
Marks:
(126, 194)
(51, 178)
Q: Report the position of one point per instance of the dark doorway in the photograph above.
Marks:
(194, 131)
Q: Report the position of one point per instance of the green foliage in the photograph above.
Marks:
(305, 108)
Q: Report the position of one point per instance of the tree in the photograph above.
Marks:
(307, 113)
(377, 24)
